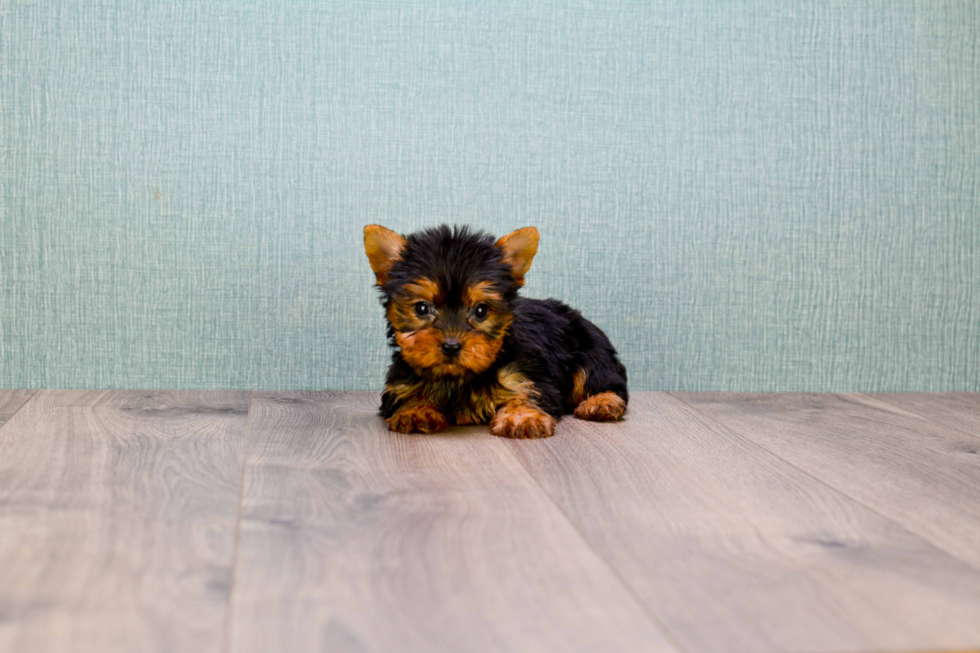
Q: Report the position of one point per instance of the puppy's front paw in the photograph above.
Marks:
(522, 421)
(603, 407)
(417, 418)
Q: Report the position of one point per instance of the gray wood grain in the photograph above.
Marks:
(358, 539)
(917, 472)
(117, 520)
(960, 410)
(733, 549)
(11, 401)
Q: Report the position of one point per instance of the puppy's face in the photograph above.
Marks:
(448, 294)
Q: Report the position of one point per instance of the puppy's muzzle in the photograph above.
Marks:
(451, 348)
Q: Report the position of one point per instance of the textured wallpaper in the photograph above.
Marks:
(747, 195)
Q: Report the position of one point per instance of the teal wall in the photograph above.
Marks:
(752, 195)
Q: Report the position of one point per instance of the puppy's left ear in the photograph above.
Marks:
(384, 248)
(519, 248)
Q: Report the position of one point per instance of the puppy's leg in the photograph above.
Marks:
(599, 388)
(417, 416)
(404, 403)
(520, 418)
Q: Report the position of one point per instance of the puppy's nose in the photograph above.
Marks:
(451, 347)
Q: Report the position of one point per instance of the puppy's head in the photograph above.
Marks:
(448, 293)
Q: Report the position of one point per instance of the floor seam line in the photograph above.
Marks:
(660, 626)
(924, 417)
(20, 408)
(236, 546)
(897, 524)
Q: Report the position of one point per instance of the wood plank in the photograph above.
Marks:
(117, 520)
(357, 539)
(11, 401)
(921, 474)
(961, 410)
(733, 549)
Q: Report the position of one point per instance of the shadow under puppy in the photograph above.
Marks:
(469, 350)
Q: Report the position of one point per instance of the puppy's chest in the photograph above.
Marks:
(472, 403)
(478, 405)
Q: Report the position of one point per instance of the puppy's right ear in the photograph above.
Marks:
(384, 247)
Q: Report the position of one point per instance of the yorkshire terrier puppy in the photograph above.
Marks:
(469, 350)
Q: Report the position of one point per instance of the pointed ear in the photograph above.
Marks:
(384, 247)
(519, 248)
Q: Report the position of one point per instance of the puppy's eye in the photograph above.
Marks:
(422, 309)
(481, 311)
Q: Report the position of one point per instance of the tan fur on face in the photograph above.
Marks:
(482, 345)
(418, 339)
(420, 348)
(481, 292)
(423, 288)
(479, 351)
(420, 342)
(401, 309)
(603, 407)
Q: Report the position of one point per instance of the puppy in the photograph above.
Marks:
(469, 350)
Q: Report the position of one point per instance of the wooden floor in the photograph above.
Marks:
(266, 522)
